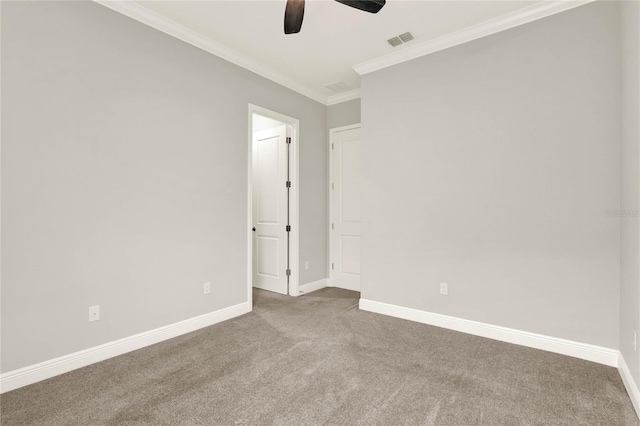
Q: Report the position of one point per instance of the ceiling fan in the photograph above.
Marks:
(294, 11)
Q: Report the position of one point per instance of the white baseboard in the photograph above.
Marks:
(629, 383)
(585, 351)
(47, 369)
(313, 286)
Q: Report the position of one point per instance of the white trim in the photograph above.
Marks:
(294, 209)
(313, 286)
(519, 17)
(294, 203)
(47, 369)
(141, 14)
(629, 383)
(585, 351)
(344, 97)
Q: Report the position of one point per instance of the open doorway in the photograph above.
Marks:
(272, 202)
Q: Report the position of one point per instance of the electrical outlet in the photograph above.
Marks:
(94, 313)
(207, 288)
(306, 265)
(635, 341)
(444, 289)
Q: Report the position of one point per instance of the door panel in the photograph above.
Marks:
(350, 255)
(270, 210)
(346, 175)
(350, 175)
(267, 176)
(268, 256)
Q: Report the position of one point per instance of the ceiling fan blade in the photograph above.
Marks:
(293, 14)
(372, 6)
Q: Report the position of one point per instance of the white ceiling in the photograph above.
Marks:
(334, 37)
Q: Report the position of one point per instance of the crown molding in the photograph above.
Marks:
(537, 11)
(519, 17)
(142, 14)
(344, 97)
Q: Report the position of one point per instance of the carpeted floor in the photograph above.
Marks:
(317, 359)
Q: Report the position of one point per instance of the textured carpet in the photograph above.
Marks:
(317, 359)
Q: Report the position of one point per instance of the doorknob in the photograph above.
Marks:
(254, 229)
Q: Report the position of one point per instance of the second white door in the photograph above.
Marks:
(346, 151)
(270, 210)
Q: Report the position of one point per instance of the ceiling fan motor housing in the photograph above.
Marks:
(294, 11)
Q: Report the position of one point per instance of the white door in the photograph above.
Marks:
(270, 209)
(346, 150)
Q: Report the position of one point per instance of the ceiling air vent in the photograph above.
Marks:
(406, 37)
(402, 38)
(395, 41)
(338, 87)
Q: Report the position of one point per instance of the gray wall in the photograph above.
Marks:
(490, 166)
(629, 229)
(124, 178)
(343, 114)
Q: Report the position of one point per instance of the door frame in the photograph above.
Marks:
(294, 197)
(332, 135)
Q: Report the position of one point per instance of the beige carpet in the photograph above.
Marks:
(317, 359)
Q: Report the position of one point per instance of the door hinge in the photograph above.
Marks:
(288, 272)
(332, 266)
(288, 139)
(288, 228)
(332, 186)
(331, 146)
(288, 184)
(332, 226)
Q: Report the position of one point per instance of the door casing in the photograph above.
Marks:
(293, 131)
